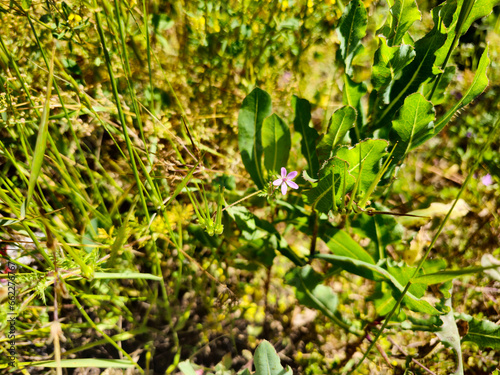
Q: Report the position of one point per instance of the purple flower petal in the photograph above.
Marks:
(283, 189)
(283, 172)
(292, 175)
(277, 182)
(292, 184)
(487, 180)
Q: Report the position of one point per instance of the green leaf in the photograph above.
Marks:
(484, 333)
(352, 28)
(448, 334)
(376, 273)
(453, 14)
(352, 94)
(478, 85)
(309, 135)
(330, 186)
(341, 243)
(446, 275)
(85, 362)
(276, 142)
(254, 109)
(372, 152)
(388, 64)
(267, 361)
(310, 292)
(413, 75)
(340, 122)
(404, 14)
(414, 123)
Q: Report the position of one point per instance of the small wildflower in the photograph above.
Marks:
(487, 180)
(286, 180)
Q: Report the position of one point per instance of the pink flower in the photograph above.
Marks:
(286, 180)
(487, 180)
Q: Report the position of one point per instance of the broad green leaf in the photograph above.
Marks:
(276, 142)
(448, 334)
(85, 362)
(484, 333)
(351, 96)
(310, 292)
(387, 66)
(478, 85)
(267, 361)
(376, 273)
(389, 62)
(340, 122)
(382, 299)
(309, 135)
(341, 243)
(404, 14)
(254, 109)
(330, 186)
(352, 28)
(125, 275)
(413, 124)
(372, 151)
(413, 75)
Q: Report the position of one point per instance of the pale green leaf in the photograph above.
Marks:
(448, 334)
(267, 361)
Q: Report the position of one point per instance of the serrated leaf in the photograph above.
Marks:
(352, 28)
(372, 152)
(276, 142)
(451, 12)
(340, 122)
(330, 186)
(309, 135)
(484, 333)
(413, 124)
(267, 361)
(404, 14)
(478, 85)
(387, 66)
(254, 109)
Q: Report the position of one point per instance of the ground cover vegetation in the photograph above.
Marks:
(239, 187)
